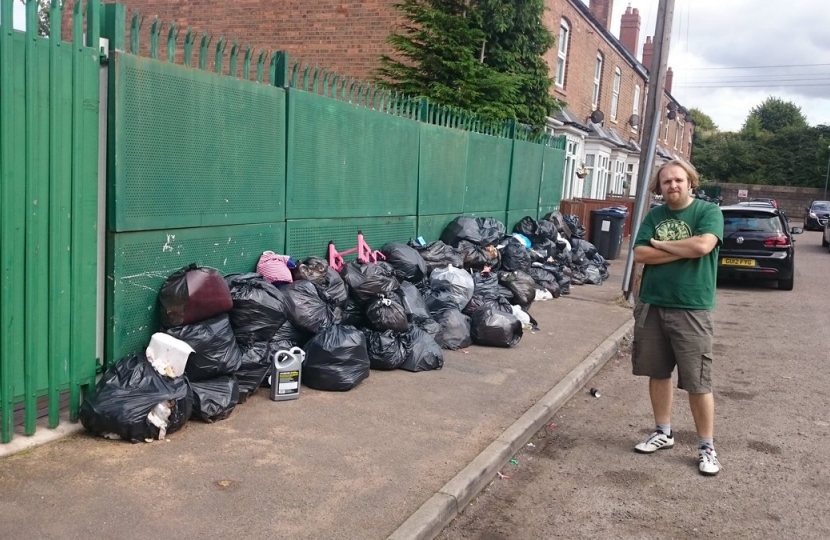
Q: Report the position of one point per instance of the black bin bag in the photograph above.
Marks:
(407, 262)
(336, 359)
(127, 393)
(215, 399)
(306, 310)
(423, 353)
(192, 294)
(437, 254)
(462, 228)
(387, 314)
(216, 351)
(259, 308)
(367, 281)
(413, 302)
(256, 366)
(387, 350)
(493, 328)
(455, 330)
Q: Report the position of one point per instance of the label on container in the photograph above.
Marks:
(288, 383)
(606, 225)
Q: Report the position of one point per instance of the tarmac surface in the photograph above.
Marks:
(395, 457)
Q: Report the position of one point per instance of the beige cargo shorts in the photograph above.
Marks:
(669, 337)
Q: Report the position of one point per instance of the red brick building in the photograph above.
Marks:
(600, 77)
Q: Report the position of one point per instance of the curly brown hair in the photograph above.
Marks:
(691, 174)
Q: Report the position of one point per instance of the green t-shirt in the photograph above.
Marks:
(687, 283)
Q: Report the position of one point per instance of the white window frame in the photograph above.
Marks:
(562, 52)
(615, 96)
(597, 81)
(678, 129)
(666, 132)
(588, 181)
(635, 107)
(571, 160)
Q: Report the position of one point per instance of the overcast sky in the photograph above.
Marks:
(734, 36)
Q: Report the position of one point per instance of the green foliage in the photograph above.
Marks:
(516, 40)
(703, 122)
(480, 55)
(774, 115)
(775, 147)
(43, 9)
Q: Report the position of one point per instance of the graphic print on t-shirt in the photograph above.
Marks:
(672, 229)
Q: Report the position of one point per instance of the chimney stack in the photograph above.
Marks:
(648, 52)
(630, 30)
(601, 10)
(669, 76)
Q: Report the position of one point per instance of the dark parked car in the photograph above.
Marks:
(815, 215)
(757, 243)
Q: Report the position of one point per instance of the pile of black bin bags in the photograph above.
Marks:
(398, 313)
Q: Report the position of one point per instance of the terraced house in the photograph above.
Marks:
(600, 77)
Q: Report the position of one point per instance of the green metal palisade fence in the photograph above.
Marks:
(49, 95)
(214, 153)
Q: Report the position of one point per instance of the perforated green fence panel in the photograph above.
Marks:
(431, 227)
(554, 170)
(306, 237)
(193, 148)
(347, 161)
(545, 210)
(488, 173)
(514, 216)
(141, 261)
(442, 171)
(526, 175)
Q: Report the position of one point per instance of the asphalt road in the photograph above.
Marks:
(579, 476)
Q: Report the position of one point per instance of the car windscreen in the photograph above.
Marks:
(822, 206)
(751, 222)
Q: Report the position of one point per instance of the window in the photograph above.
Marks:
(619, 178)
(562, 60)
(635, 109)
(682, 129)
(666, 132)
(571, 155)
(597, 82)
(589, 179)
(615, 96)
(629, 179)
(678, 129)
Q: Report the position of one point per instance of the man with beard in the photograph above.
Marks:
(678, 244)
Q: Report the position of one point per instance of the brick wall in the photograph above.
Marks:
(585, 43)
(344, 36)
(792, 200)
(349, 36)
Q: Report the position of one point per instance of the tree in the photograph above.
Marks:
(515, 40)
(703, 122)
(773, 115)
(43, 9)
(436, 59)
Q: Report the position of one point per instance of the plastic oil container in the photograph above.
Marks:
(286, 372)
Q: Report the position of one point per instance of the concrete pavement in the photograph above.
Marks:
(396, 457)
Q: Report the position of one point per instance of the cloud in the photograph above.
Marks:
(734, 36)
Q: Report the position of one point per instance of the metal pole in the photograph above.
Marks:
(657, 76)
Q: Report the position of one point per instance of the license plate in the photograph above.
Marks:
(726, 261)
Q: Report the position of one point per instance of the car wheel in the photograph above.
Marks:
(786, 284)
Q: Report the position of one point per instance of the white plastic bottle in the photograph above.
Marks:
(286, 373)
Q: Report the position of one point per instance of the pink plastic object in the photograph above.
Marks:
(274, 267)
(365, 254)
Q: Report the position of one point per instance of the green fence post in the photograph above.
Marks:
(280, 67)
(423, 109)
(113, 22)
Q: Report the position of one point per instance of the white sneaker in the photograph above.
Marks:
(656, 441)
(708, 462)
